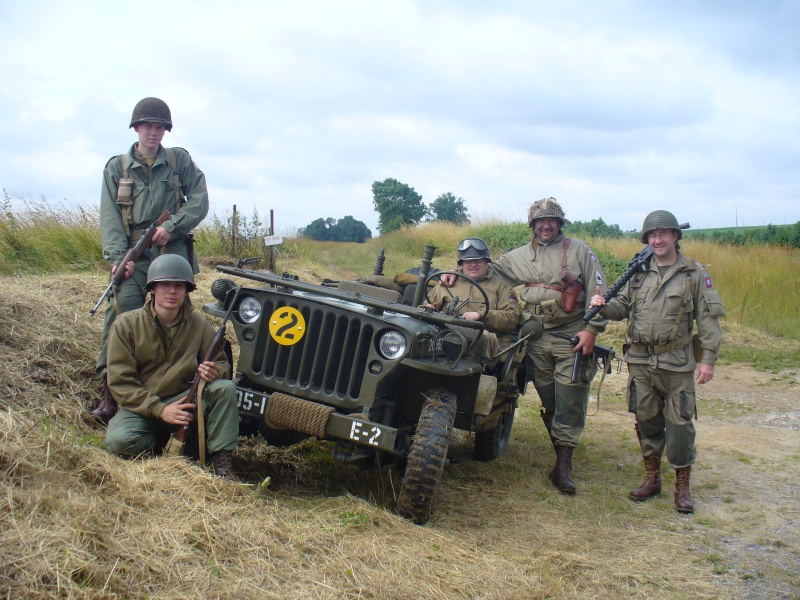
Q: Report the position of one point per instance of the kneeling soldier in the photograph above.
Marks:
(153, 355)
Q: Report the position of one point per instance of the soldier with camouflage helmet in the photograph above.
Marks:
(152, 358)
(555, 271)
(665, 357)
(138, 187)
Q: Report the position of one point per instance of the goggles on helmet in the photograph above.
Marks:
(476, 243)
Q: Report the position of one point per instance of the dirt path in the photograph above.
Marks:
(746, 481)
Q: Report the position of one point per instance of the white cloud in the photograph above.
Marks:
(615, 108)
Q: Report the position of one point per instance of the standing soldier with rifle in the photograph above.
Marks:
(154, 353)
(153, 191)
(662, 304)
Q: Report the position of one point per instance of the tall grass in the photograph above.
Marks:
(39, 237)
(759, 285)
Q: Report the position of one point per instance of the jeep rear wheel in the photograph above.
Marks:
(491, 444)
(427, 458)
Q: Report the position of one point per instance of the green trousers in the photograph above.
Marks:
(551, 358)
(131, 434)
(664, 403)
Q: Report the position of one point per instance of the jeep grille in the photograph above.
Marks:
(328, 362)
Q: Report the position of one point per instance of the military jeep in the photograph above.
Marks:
(386, 380)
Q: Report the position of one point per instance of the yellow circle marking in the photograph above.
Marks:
(287, 326)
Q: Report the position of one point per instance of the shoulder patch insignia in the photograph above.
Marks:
(592, 256)
(513, 297)
(709, 285)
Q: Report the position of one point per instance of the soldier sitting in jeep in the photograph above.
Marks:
(502, 314)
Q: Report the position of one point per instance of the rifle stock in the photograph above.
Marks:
(132, 254)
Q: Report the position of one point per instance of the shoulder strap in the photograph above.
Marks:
(123, 158)
(173, 163)
(564, 256)
(687, 290)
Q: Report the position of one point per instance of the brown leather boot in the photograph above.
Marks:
(561, 475)
(222, 464)
(683, 498)
(106, 408)
(652, 480)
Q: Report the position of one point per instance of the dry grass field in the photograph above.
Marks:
(76, 522)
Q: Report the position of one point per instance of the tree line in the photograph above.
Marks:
(397, 204)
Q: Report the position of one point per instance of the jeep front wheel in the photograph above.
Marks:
(427, 458)
(491, 444)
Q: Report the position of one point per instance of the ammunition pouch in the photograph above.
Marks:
(551, 310)
(125, 202)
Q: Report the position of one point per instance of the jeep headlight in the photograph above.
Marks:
(392, 345)
(249, 310)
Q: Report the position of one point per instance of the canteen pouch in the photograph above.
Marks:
(571, 287)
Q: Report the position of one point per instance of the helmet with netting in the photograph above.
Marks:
(152, 110)
(659, 219)
(170, 267)
(546, 208)
(473, 249)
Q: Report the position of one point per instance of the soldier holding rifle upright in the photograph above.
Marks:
(664, 358)
(153, 357)
(137, 188)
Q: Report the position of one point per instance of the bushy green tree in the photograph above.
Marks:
(346, 229)
(397, 204)
(449, 208)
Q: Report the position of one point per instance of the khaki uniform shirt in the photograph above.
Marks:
(152, 195)
(539, 263)
(147, 362)
(653, 305)
(503, 310)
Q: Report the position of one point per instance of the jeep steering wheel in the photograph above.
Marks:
(484, 304)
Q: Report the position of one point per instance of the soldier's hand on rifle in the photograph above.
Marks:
(585, 342)
(597, 299)
(129, 267)
(161, 236)
(178, 413)
(208, 371)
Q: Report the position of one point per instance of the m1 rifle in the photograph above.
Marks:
(133, 254)
(639, 264)
(603, 355)
(178, 439)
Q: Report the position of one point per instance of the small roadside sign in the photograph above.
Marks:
(273, 240)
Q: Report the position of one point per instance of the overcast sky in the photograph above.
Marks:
(615, 108)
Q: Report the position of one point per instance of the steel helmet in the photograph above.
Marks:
(473, 248)
(152, 110)
(659, 219)
(544, 208)
(170, 267)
